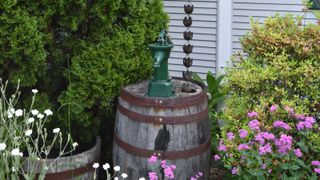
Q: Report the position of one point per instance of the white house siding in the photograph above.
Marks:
(204, 27)
(261, 9)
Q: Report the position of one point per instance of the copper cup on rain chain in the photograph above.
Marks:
(187, 75)
(187, 48)
(188, 35)
(187, 21)
(187, 62)
(188, 8)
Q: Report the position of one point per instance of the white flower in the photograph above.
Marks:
(30, 120)
(75, 144)
(10, 115)
(34, 112)
(20, 154)
(48, 112)
(2, 146)
(115, 178)
(142, 178)
(13, 169)
(124, 175)
(95, 165)
(34, 91)
(28, 132)
(56, 130)
(38, 159)
(106, 166)
(18, 112)
(40, 116)
(15, 152)
(117, 168)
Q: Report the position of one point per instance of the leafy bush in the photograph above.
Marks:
(216, 96)
(281, 67)
(78, 52)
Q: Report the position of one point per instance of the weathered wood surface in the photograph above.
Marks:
(77, 167)
(162, 137)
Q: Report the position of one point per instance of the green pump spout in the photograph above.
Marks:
(158, 58)
(160, 84)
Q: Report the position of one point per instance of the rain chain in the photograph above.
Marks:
(187, 47)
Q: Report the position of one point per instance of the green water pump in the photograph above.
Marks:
(160, 84)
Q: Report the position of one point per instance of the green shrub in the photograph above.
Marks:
(79, 53)
(281, 67)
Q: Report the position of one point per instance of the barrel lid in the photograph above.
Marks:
(137, 94)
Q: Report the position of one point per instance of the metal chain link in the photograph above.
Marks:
(187, 47)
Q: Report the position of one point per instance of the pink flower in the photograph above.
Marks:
(234, 170)
(222, 147)
(243, 133)
(270, 170)
(200, 174)
(252, 114)
(315, 163)
(317, 170)
(230, 136)
(273, 108)
(153, 159)
(281, 124)
(217, 157)
(243, 147)
(298, 153)
(153, 176)
(193, 178)
(300, 126)
(265, 149)
(254, 124)
(284, 144)
(173, 167)
(309, 119)
(163, 163)
(168, 172)
(259, 137)
(263, 166)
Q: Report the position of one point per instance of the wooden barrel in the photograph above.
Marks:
(78, 166)
(176, 129)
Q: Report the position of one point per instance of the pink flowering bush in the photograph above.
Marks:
(272, 142)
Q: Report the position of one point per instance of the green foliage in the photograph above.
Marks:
(216, 96)
(282, 67)
(78, 53)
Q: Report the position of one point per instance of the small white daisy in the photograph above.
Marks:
(28, 132)
(106, 166)
(2, 146)
(48, 112)
(56, 130)
(34, 91)
(95, 165)
(34, 112)
(116, 168)
(18, 113)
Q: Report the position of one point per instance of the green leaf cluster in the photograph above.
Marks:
(281, 67)
(78, 53)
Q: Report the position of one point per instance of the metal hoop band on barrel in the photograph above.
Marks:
(200, 116)
(170, 155)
